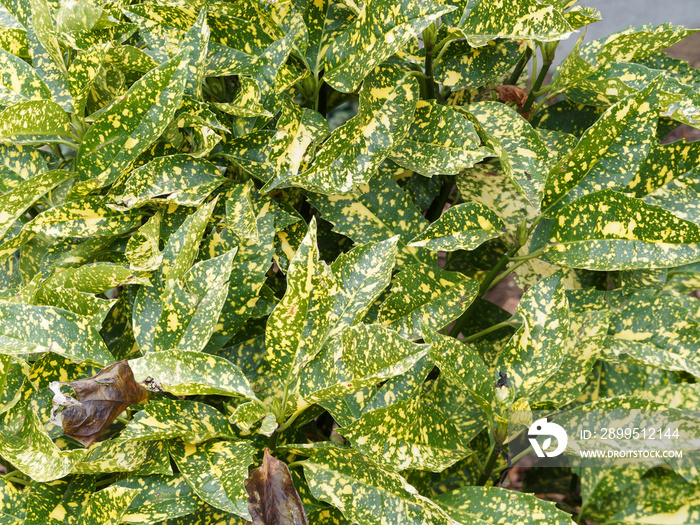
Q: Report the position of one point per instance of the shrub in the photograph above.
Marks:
(245, 248)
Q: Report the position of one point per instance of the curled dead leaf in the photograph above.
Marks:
(512, 94)
(272, 497)
(100, 399)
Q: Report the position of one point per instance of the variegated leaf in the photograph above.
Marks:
(382, 211)
(352, 153)
(361, 356)
(527, 159)
(440, 141)
(463, 366)
(50, 329)
(128, 127)
(361, 275)
(187, 373)
(426, 297)
(167, 419)
(380, 29)
(365, 492)
(142, 248)
(14, 203)
(34, 117)
(299, 324)
(607, 230)
(107, 506)
(526, 20)
(465, 67)
(481, 505)
(159, 498)
(83, 218)
(25, 444)
(461, 227)
(216, 472)
(538, 348)
(408, 435)
(19, 82)
(608, 154)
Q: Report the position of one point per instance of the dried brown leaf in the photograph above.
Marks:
(100, 399)
(272, 498)
(512, 94)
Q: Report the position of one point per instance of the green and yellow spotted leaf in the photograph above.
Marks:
(609, 152)
(538, 348)
(365, 492)
(463, 366)
(461, 227)
(188, 373)
(526, 20)
(34, 117)
(83, 218)
(408, 435)
(491, 187)
(118, 456)
(655, 331)
(191, 307)
(381, 212)
(95, 278)
(380, 29)
(107, 506)
(159, 498)
(440, 141)
(50, 69)
(426, 297)
(291, 148)
(132, 124)
(142, 248)
(83, 72)
(19, 82)
(299, 324)
(246, 415)
(361, 275)
(59, 501)
(25, 444)
(50, 329)
(352, 153)
(481, 505)
(465, 67)
(14, 40)
(608, 230)
(527, 160)
(179, 179)
(659, 498)
(169, 419)
(14, 203)
(361, 356)
(216, 472)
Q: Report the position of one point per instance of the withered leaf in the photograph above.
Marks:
(512, 94)
(272, 498)
(100, 399)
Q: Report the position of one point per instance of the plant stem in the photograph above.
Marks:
(547, 62)
(429, 44)
(485, 286)
(513, 461)
(433, 213)
(490, 463)
(291, 419)
(488, 330)
(14, 477)
(519, 67)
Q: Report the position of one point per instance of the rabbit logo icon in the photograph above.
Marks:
(542, 427)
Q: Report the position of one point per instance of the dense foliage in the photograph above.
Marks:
(227, 227)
